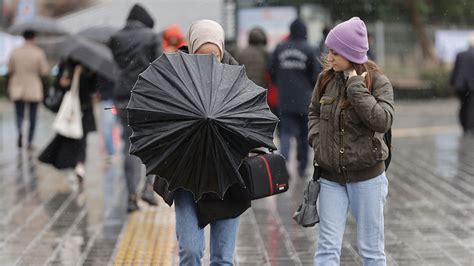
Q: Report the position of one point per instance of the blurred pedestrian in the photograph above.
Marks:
(173, 38)
(293, 69)
(371, 54)
(105, 89)
(27, 71)
(255, 57)
(462, 80)
(351, 109)
(205, 37)
(87, 90)
(133, 47)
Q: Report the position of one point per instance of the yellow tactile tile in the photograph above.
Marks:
(149, 238)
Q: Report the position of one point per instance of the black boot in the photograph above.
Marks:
(19, 143)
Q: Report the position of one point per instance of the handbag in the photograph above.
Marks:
(68, 121)
(53, 98)
(264, 175)
(306, 214)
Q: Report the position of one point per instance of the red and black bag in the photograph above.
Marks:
(264, 175)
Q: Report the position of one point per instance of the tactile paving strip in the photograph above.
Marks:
(149, 238)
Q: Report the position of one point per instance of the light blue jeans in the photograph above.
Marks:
(108, 123)
(366, 200)
(191, 237)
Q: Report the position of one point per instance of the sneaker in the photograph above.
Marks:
(149, 197)
(132, 204)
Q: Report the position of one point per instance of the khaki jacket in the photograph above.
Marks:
(26, 66)
(348, 143)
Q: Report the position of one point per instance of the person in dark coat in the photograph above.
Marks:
(205, 37)
(134, 48)
(58, 152)
(462, 80)
(293, 69)
(254, 57)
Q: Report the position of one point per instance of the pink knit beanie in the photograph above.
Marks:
(349, 39)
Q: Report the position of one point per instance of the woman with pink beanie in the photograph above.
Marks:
(351, 109)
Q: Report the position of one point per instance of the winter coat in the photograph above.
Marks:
(209, 208)
(293, 70)
(134, 48)
(26, 66)
(348, 143)
(462, 78)
(255, 58)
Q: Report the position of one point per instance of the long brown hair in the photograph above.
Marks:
(328, 74)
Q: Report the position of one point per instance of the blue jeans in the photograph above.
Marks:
(295, 125)
(20, 114)
(108, 123)
(191, 237)
(366, 200)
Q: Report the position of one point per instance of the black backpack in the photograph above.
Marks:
(387, 138)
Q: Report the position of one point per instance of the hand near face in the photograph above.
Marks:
(354, 73)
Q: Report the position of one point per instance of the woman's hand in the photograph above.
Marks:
(353, 73)
(64, 81)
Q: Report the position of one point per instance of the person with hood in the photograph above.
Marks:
(134, 48)
(205, 37)
(27, 70)
(293, 69)
(351, 109)
(255, 58)
(173, 39)
(462, 80)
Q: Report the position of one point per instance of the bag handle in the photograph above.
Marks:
(75, 80)
(259, 151)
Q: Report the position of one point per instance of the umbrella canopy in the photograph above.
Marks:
(41, 25)
(99, 34)
(94, 56)
(194, 119)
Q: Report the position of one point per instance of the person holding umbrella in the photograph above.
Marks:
(194, 119)
(27, 71)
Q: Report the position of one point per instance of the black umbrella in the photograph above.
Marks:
(99, 34)
(195, 119)
(94, 56)
(41, 25)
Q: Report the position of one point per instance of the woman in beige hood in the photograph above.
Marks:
(205, 37)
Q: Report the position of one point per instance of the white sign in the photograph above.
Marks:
(7, 44)
(275, 21)
(449, 43)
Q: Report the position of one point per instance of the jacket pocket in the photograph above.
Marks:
(326, 106)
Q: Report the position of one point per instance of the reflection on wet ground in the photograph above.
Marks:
(46, 218)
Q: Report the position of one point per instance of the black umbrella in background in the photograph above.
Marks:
(99, 34)
(41, 25)
(195, 119)
(94, 56)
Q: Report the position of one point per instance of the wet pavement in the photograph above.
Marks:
(47, 219)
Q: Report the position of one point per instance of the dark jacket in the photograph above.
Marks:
(293, 69)
(462, 78)
(133, 47)
(255, 58)
(348, 143)
(209, 208)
